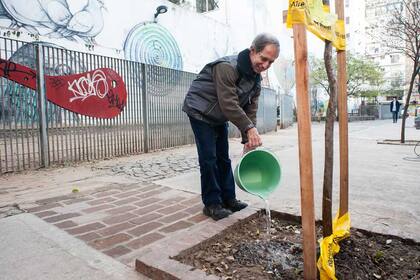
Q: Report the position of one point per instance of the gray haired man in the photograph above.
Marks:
(227, 89)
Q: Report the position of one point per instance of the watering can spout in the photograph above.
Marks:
(258, 172)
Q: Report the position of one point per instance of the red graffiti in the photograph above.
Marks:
(99, 93)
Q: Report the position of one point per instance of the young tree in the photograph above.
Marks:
(361, 73)
(402, 34)
(329, 139)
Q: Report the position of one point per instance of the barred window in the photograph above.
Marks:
(177, 1)
(206, 5)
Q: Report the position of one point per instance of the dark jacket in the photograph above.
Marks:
(397, 106)
(225, 90)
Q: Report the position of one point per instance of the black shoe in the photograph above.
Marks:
(216, 212)
(235, 205)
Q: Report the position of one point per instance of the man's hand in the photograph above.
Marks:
(254, 139)
(247, 148)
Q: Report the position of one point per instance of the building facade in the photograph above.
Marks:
(397, 67)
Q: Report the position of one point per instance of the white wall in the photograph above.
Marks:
(199, 37)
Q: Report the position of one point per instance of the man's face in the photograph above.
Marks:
(262, 60)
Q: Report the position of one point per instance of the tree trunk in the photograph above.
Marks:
(329, 144)
(407, 100)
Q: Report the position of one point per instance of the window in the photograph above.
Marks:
(395, 58)
(347, 3)
(206, 5)
(347, 20)
(177, 1)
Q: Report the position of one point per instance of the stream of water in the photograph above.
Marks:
(267, 218)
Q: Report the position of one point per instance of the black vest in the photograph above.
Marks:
(201, 100)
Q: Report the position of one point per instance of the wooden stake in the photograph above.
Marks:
(305, 152)
(343, 120)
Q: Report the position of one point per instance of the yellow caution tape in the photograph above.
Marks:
(329, 246)
(318, 20)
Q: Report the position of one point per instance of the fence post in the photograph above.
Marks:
(144, 108)
(281, 111)
(277, 104)
(42, 106)
(380, 111)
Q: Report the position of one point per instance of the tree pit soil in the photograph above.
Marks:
(244, 251)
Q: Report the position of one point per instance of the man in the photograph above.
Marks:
(394, 107)
(226, 90)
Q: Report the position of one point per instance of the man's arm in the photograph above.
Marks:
(251, 111)
(225, 76)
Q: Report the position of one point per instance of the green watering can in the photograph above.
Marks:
(258, 172)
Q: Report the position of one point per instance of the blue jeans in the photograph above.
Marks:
(394, 116)
(217, 183)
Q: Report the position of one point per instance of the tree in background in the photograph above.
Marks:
(363, 75)
(396, 86)
(285, 73)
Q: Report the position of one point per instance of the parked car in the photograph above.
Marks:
(402, 113)
(417, 118)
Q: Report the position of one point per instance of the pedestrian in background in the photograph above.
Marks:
(394, 107)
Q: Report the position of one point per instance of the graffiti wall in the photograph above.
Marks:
(180, 38)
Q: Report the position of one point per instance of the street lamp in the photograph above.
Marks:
(160, 10)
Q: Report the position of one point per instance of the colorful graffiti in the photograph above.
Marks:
(99, 93)
(151, 43)
(53, 18)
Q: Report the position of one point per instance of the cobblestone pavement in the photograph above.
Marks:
(167, 164)
(156, 168)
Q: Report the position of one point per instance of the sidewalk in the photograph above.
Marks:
(128, 205)
(33, 249)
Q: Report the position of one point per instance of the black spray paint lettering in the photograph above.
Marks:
(10, 67)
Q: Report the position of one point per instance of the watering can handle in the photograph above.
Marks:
(245, 151)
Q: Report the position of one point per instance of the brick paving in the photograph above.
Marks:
(119, 221)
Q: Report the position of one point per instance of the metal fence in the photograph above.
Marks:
(151, 120)
(384, 111)
(285, 114)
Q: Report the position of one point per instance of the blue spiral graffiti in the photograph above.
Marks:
(151, 43)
